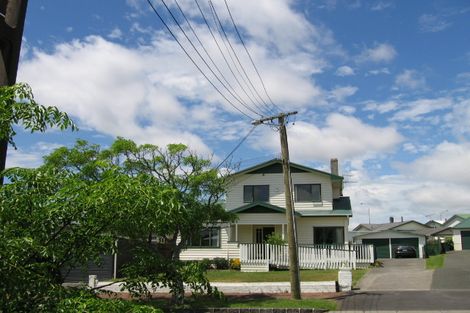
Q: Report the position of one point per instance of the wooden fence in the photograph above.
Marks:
(262, 256)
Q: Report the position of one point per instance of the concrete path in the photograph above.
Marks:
(398, 274)
(455, 275)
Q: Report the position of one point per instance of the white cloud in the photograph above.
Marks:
(347, 109)
(381, 107)
(341, 93)
(116, 33)
(382, 5)
(382, 52)
(344, 71)
(429, 23)
(447, 163)
(414, 148)
(459, 119)
(415, 110)
(410, 79)
(343, 136)
(383, 70)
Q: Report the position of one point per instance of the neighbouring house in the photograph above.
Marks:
(387, 236)
(257, 196)
(433, 224)
(458, 228)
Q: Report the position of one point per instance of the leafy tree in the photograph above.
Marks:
(18, 106)
(72, 209)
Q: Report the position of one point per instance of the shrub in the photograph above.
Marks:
(206, 263)
(235, 264)
(221, 263)
(275, 239)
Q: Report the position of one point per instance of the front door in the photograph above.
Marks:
(262, 233)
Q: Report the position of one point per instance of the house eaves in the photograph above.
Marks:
(292, 165)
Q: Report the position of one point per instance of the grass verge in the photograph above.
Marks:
(435, 261)
(227, 276)
(357, 275)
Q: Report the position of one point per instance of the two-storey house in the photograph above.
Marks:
(257, 196)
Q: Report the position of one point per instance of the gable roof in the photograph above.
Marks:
(295, 168)
(456, 216)
(259, 207)
(385, 226)
(263, 207)
(463, 225)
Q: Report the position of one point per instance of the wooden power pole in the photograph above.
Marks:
(290, 215)
(12, 16)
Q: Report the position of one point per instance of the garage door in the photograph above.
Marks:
(381, 249)
(414, 242)
(465, 240)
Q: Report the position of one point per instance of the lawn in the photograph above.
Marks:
(278, 276)
(435, 261)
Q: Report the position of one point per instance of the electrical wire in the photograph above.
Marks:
(239, 98)
(202, 58)
(249, 55)
(237, 146)
(224, 57)
(195, 64)
(247, 81)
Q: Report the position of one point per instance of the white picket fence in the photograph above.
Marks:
(255, 256)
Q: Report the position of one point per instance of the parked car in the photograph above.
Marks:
(405, 252)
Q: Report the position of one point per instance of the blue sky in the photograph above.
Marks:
(383, 86)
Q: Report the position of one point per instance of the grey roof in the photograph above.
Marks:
(263, 207)
(384, 226)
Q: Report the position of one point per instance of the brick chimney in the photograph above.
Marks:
(334, 166)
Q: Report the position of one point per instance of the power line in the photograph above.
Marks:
(237, 146)
(249, 55)
(207, 53)
(195, 64)
(249, 84)
(202, 58)
(223, 55)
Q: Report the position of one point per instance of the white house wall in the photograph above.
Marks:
(227, 250)
(457, 239)
(276, 189)
(305, 227)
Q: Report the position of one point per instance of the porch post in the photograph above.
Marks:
(283, 232)
(236, 232)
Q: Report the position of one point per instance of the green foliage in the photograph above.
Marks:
(436, 261)
(433, 247)
(87, 302)
(221, 263)
(18, 107)
(275, 239)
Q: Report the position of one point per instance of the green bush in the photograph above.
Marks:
(85, 302)
(433, 247)
(206, 263)
(275, 239)
(221, 263)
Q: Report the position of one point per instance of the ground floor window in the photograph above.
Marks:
(328, 235)
(208, 237)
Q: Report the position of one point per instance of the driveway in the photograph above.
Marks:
(455, 275)
(398, 274)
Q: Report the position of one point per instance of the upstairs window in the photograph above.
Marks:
(307, 192)
(255, 193)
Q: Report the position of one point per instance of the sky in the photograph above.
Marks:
(384, 86)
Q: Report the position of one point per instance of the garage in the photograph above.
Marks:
(413, 242)
(381, 247)
(465, 235)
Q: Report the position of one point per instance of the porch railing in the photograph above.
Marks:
(310, 256)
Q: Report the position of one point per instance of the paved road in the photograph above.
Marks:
(431, 300)
(455, 274)
(404, 285)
